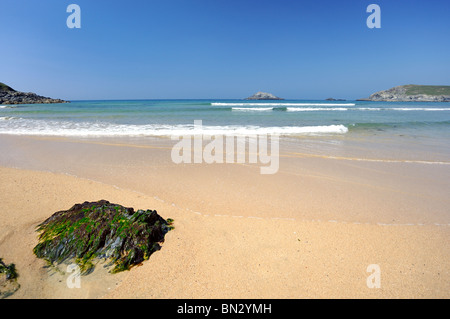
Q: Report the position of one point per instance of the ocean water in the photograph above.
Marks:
(400, 130)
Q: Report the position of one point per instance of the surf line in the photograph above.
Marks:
(299, 155)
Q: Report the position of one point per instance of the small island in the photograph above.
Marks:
(412, 93)
(263, 96)
(10, 96)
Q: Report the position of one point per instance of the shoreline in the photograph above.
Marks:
(308, 186)
(310, 231)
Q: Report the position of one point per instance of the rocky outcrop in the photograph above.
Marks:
(412, 93)
(263, 96)
(10, 96)
(96, 231)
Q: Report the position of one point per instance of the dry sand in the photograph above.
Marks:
(310, 231)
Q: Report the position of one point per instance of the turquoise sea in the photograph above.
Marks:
(393, 127)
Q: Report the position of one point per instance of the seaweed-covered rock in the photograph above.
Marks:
(8, 280)
(101, 230)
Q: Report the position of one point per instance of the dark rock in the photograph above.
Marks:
(8, 280)
(10, 96)
(101, 230)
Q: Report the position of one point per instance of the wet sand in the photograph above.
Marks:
(309, 231)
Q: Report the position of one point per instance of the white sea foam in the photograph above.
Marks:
(102, 129)
(281, 130)
(312, 109)
(368, 109)
(252, 109)
(6, 118)
(282, 104)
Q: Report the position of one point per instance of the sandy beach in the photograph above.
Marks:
(224, 150)
(309, 231)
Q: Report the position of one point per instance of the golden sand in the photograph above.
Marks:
(310, 231)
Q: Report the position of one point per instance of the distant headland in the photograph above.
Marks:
(10, 96)
(263, 96)
(412, 93)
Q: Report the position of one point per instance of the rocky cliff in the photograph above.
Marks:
(412, 93)
(10, 96)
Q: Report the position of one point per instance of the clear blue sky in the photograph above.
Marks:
(295, 49)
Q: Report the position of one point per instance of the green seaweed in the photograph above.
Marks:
(8, 270)
(8, 280)
(101, 230)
